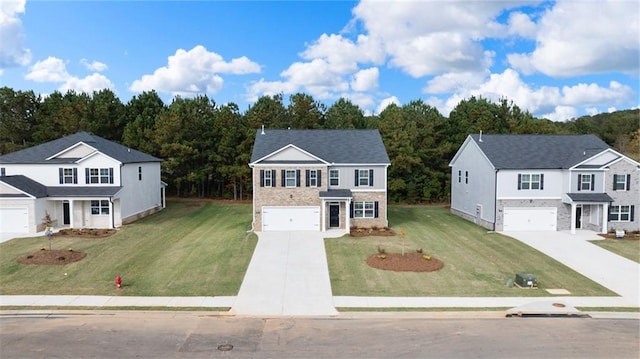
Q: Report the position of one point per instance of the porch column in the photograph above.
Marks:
(111, 214)
(348, 215)
(573, 218)
(164, 197)
(324, 215)
(605, 217)
(71, 216)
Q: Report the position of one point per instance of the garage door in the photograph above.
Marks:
(290, 218)
(530, 219)
(14, 220)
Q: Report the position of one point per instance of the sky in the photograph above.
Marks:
(556, 59)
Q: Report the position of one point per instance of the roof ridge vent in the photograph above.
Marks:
(262, 132)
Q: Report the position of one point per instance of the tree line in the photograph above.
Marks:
(206, 147)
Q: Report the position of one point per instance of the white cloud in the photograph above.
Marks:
(12, 48)
(93, 82)
(583, 37)
(95, 66)
(51, 69)
(365, 80)
(521, 24)
(343, 55)
(268, 88)
(386, 102)
(561, 113)
(454, 81)
(195, 71)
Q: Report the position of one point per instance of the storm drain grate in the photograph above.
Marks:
(225, 347)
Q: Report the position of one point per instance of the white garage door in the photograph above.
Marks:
(290, 218)
(14, 220)
(530, 219)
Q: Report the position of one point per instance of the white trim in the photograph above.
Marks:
(287, 147)
(72, 147)
(17, 189)
(527, 197)
(359, 164)
(98, 152)
(367, 190)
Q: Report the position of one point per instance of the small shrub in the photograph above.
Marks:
(382, 229)
(360, 230)
(61, 258)
(419, 250)
(370, 230)
(29, 256)
(426, 257)
(42, 248)
(381, 250)
(70, 249)
(382, 256)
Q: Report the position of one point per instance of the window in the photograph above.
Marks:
(533, 181)
(334, 177)
(363, 178)
(99, 207)
(68, 175)
(364, 210)
(621, 182)
(267, 178)
(466, 177)
(586, 182)
(267, 181)
(459, 176)
(3, 172)
(139, 173)
(100, 175)
(313, 178)
(621, 213)
(290, 178)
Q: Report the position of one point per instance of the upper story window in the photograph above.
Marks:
(459, 176)
(290, 178)
(621, 213)
(621, 182)
(68, 175)
(533, 181)
(313, 178)
(99, 175)
(334, 177)
(139, 173)
(586, 182)
(363, 178)
(466, 177)
(3, 171)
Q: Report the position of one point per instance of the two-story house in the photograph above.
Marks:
(316, 180)
(81, 181)
(544, 183)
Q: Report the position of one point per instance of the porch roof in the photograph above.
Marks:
(590, 197)
(83, 191)
(336, 193)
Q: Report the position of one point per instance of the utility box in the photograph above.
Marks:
(526, 280)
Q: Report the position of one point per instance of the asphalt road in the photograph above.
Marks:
(203, 335)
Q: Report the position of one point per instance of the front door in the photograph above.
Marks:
(334, 215)
(578, 217)
(66, 217)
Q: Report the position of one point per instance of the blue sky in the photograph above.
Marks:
(557, 59)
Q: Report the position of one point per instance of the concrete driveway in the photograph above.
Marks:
(617, 273)
(288, 275)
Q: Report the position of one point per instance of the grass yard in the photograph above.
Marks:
(477, 263)
(628, 248)
(192, 248)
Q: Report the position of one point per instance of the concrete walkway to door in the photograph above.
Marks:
(288, 275)
(617, 273)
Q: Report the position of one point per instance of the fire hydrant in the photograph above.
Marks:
(118, 282)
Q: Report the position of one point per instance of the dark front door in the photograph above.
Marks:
(334, 216)
(578, 217)
(66, 217)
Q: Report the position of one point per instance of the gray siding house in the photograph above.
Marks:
(545, 183)
(317, 180)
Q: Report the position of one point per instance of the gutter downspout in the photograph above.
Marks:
(495, 198)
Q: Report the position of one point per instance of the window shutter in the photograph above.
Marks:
(541, 181)
(75, 176)
(284, 179)
(111, 175)
(306, 181)
(297, 178)
(593, 182)
(350, 209)
(614, 181)
(319, 176)
(631, 213)
(628, 181)
(273, 178)
(609, 215)
(356, 178)
(86, 175)
(370, 178)
(579, 184)
(61, 173)
(519, 181)
(261, 178)
(375, 209)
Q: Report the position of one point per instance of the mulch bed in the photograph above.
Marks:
(628, 235)
(85, 232)
(52, 257)
(410, 262)
(366, 232)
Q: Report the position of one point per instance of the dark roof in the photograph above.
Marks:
(40, 153)
(538, 151)
(39, 190)
(336, 193)
(333, 146)
(590, 197)
(26, 185)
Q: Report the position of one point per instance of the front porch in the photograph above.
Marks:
(335, 211)
(589, 211)
(94, 212)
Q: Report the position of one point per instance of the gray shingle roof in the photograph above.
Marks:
(538, 151)
(26, 184)
(39, 153)
(333, 146)
(590, 197)
(39, 190)
(336, 193)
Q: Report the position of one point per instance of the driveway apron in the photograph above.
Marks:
(617, 273)
(288, 275)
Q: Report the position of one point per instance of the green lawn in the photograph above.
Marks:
(628, 248)
(477, 263)
(189, 249)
